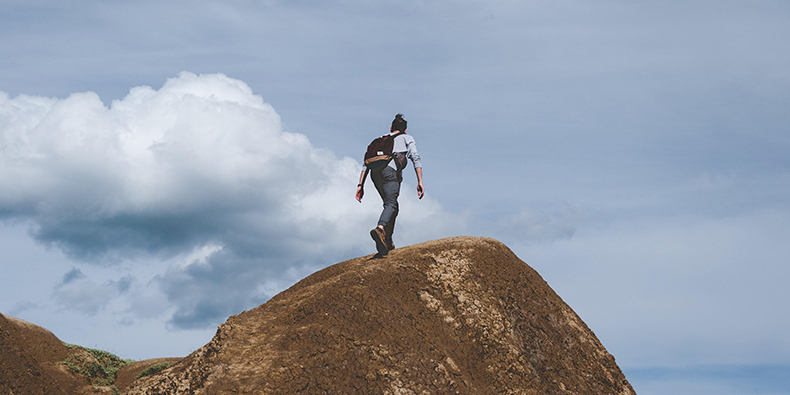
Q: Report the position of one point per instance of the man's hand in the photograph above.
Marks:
(420, 188)
(360, 193)
(360, 186)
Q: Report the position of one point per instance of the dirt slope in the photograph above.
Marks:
(127, 375)
(29, 356)
(30, 363)
(459, 315)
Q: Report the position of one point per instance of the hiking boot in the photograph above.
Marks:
(379, 237)
(390, 245)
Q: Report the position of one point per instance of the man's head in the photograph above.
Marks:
(398, 124)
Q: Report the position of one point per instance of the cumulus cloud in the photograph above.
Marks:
(199, 171)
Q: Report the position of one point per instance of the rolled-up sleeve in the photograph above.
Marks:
(411, 153)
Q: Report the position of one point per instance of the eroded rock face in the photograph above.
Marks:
(460, 315)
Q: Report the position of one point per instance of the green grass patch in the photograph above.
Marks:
(153, 369)
(98, 366)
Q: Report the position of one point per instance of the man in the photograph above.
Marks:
(387, 180)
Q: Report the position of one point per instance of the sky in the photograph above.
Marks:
(166, 164)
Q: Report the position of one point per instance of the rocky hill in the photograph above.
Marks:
(461, 315)
(33, 361)
(28, 361)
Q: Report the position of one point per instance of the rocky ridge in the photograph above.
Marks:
(461, 315)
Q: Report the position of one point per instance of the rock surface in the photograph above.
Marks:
(461, 315)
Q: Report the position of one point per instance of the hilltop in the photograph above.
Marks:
(461, 315)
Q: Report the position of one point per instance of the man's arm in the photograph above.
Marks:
(420, 188)
(411, 153)
(361, 185)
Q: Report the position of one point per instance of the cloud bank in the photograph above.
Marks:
(198, 172)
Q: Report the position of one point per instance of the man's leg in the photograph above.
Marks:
(388, 186)
(390, 229)
(390, 189)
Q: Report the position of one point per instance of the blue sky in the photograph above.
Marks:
(165, 164)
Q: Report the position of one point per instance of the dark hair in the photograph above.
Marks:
(398, 123)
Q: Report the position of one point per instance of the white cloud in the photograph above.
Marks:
(199, 169)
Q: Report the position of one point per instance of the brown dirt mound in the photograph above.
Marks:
(455, 316)
(127, 375)
(29, 361)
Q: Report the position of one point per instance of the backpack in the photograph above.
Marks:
(379, 151)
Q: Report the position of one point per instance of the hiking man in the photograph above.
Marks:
(387, 178)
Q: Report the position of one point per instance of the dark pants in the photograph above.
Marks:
(387, 182)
